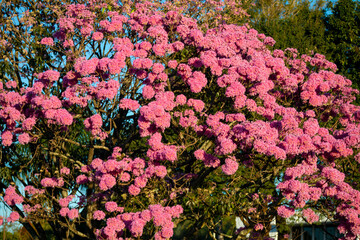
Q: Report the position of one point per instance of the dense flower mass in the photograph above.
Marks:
(129, 140)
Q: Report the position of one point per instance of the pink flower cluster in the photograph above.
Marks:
(135, 222)
(310, 216)
(97, 36)
(230, 167)
(187, 119)
(64, 202)
(93, 124)
(258, 227)
(65, 171)
(198, 105)
(47, 41)
(285, 212)
(52, 182)
(14, 216)
(38, 105)
(108, 173)
(70, 213)
(48, 77)
(126, 103)
(11, 197)
(208, 159)
(158, 151)
(299, 193)
(99, 215)
(153, 117)
(197, 81)
(28, 209)
(31, 190)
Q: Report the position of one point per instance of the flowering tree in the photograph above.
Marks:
(154, 123)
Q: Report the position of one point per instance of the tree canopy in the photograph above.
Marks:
(155, 120)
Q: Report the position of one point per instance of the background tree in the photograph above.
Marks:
(343, 35)
(297, 25)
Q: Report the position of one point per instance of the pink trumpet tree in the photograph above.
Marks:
(154, 123)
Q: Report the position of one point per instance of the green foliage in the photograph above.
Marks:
(343, 35)
(14, 231)
(303, 29)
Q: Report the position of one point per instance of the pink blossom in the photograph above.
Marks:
(172, 64)
(11, 197)
(65, 171)
(145, 46)
(167, 232)
(28, 123)
(115, 223)
(115, 66)
(86, 67)
(11, 84)
(82, 179)
(285, 212)
(197, 82)
(160, 171)
(73, 213)
(140, 182)
(148, 92)
(93, 122)
(227, 146)
(311, 126)
(64, 211)
(99, 215)
(47, 41)
(159, 49)
(146, 215)
(14, 216)
(31, 190)
(6, 138)
(50, 75)
(157, 68)
(133, 190)
(197, 104)
(126, 103)
(49, 182)
(184, 70)
(333, 174)
(310, 216)
(97, 163)
(107, 182)
(258, 227)
(137, 227)
(97, 36)
(64, 202)
(111, 206)
(181, 99)
(125, 177)
(269, 41)
(63, 117)
(173, 195)
(24, 138)
(111, 165)
(230, 167)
